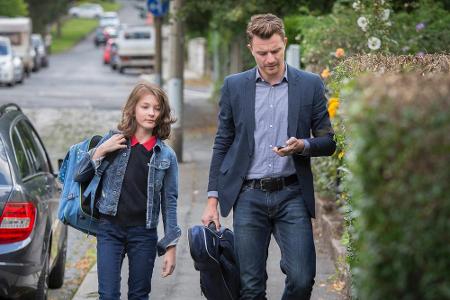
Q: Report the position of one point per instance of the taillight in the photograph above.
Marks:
(17, 221)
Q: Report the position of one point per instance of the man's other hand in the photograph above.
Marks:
(211, 214)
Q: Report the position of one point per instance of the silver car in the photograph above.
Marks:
(11, 66)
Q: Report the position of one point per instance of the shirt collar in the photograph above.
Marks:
(285, 76)
(147, 144)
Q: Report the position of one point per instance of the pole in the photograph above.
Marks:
(158, 51)
(175, 83)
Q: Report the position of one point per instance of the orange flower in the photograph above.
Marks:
(333, 105)
(339, 52)
(325, 73)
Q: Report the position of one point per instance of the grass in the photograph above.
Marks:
(74, 30)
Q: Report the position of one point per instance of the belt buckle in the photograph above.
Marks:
(266, 184)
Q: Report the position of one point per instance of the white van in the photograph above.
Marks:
(18, 30)
(136, 47)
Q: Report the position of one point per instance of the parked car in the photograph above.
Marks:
(109, 18)
(11, 66)
(136, 48)
(39, 46)
(103, 34)
(36, 59)
(86, 10)
(33, 241)
(109, 51)
(18, 30)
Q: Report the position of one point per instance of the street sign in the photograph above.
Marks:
(158, 8)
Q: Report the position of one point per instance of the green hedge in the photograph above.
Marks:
(400, 186)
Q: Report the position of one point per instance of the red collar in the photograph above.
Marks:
(148, 144)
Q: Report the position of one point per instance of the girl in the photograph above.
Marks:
(140, 181)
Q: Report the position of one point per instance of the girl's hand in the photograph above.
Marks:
(115, 142)
(169, 261)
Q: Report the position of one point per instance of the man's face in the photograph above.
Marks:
(269, 54)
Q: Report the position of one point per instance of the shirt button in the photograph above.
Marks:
(271, 106)
(124, 154)
(270, 126)
(270, 146)
(270, 165)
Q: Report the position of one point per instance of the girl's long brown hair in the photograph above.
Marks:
(128, 121)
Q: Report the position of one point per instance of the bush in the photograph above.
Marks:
(400, 186)
(332, 178)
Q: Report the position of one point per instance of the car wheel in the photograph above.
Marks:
(42, 288)
(56, 278)
(11, 84)
(121, 70)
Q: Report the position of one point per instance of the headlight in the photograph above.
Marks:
(17, 61)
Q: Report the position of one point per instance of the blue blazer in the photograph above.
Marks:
(234, 142)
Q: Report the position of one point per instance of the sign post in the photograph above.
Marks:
(158, 8)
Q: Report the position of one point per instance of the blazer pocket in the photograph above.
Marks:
(224, 169)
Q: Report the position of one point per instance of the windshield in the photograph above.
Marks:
(3, 49)
(5, 173)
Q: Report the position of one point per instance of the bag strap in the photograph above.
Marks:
(95, 181)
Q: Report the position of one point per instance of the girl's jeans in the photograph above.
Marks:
(139, 243)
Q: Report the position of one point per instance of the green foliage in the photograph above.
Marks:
(399, 161)
(73, 31)
(319, 37)
(424, 29)
(331, 174)
(45, 12)
(13, 8)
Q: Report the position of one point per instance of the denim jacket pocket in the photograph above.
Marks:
(160, 170)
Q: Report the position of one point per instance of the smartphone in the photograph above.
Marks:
(280, 147)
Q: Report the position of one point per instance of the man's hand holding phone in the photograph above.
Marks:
(293, 145)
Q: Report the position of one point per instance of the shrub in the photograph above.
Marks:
(400, 185)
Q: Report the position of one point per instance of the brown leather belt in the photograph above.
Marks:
(270, 184)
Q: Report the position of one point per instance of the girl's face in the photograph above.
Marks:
(147, 112)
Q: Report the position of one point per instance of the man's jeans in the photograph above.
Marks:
(256, 216)
(113, 241)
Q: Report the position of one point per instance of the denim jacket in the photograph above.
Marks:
(162, 193)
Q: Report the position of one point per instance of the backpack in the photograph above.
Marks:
(76, 206)
(213, 255)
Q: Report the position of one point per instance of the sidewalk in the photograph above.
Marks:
(184, 283)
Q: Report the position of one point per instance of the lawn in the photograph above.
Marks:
(73, 31)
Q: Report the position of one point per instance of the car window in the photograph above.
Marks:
(34, 150)
(14, 37)
(5, 172)
(3, 49)
(137, 35)
(21, 157)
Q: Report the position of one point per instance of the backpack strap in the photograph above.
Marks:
(95, 181)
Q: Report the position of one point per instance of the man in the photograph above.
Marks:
(270, 188)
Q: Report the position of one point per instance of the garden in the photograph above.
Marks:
(386, 69)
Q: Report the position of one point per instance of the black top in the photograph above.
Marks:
(132, 207)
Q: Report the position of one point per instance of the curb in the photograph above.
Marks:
(330, 222)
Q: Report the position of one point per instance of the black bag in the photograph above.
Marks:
(213, 255)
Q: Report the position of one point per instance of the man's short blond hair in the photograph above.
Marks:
(264, 26)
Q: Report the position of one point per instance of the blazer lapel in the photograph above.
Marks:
(249, 107)
(293, 101)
